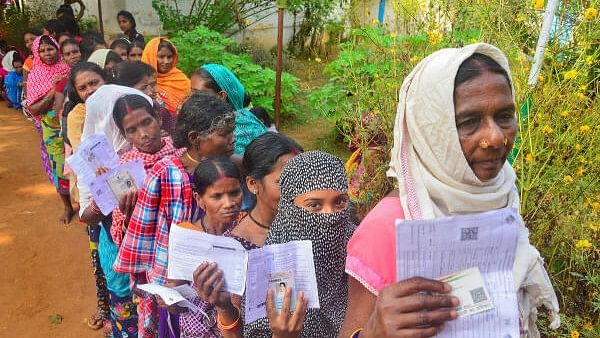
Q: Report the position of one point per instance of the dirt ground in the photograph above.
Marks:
(44, 266)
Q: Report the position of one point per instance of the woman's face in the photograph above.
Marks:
(486, 122)
(221, 201)
(199, 85)
(86, 83)
(323, 201)
(135, 54)
(165, 59)
(71, 54)
(142, 130)
(122, 52)
(29, 38)
(147, 85)
(267, 189)
(219, 142)
(124, 23)
(48, 54)
(110, 66)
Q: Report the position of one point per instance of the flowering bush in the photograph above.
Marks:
(559, 148)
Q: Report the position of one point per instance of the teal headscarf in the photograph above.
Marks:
(247, 125)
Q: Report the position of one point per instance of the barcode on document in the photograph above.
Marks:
(469, 234)
(478, 295)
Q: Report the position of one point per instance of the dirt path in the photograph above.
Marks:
(44, 266)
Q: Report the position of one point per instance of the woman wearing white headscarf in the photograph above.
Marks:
(455, 126)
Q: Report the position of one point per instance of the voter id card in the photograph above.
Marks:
(469, 288)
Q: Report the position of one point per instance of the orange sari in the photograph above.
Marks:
(173, 86)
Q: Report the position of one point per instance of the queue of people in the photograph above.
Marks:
(214, 166)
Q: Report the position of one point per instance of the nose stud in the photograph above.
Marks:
(483, 144)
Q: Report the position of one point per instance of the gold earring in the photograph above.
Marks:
(505, 140)
(483, 144)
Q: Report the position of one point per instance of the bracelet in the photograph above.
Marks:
(356, 333)
(231, 326)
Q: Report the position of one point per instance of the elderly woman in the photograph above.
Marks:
(454, 128)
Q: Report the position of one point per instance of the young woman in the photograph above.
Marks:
(136, 51)
(128, 25)
(29, 37)
(45, 98)
(107, 60)
(121, 47)
(220, 81)
(173, 85)
(71, 52)
(459, 167)
(205, 127)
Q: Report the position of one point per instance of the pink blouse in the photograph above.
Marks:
(371, 257)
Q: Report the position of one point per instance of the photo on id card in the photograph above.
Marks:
(279, 282)
(121, 183)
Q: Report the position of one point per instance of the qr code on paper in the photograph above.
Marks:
(478, 295)
(469, 234)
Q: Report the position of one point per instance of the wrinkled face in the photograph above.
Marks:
(18, 66)
(165, 59)
(135, 54)
(71, 54)
(122, 52)
(323, 201)
(219, 142)
(48, 54)
(221, 201)
(124, 23)
(86, 83)
(29, 38)
(142, 130)
(147, 85)
(486, 122)
(267, 189)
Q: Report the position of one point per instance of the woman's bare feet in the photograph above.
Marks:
(67, 215)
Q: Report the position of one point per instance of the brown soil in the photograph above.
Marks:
(44, 266)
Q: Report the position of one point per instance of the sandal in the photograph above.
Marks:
(95, 322)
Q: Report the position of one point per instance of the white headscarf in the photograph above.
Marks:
(435, 179)
(7, 61)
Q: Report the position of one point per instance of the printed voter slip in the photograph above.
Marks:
(279, 282)
(469, 288)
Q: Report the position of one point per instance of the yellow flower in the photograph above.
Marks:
(578, 147)
(520, 17)
(568, 179)
(547, 129)
(393, 50)
(594, 227)
(541, 78)
(375, 22)
(414, 59)
(595, 205)
(434, 37)
(581, 244)
(590, 13)
(580, 171)
(583, 88)
(318, 60)
(529, 158)
(584, 129)
(581, 96)
(570, 75)
(393, 34)
(588, 326)
(538, 4)
(564, 114)
(589, 60)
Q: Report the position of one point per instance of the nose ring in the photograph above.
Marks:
(483, 144)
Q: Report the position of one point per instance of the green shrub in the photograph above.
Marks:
(201, 46)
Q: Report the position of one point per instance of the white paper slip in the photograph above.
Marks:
(469, 288)
(94, 152)
(273, 261)
(107, 189)
(169, 295)
(189, 248)
(440, 247)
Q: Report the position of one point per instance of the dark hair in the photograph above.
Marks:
(127, 15)
(138, 44)
(209, 81)
(197, 114)
(64, 9)
(166, 44)
(121, 43)
(213, 169)
(70, 23)
(247, 100)
(262, 154)
(262, 115)
(54, 26)
(83, 66)
(33, 31)
(475, 65)
(16, 58)
(69, 41)
(128, 103)
(112, 57)
(89, 41)
(68, 35)
(129, 73)
(46, 40)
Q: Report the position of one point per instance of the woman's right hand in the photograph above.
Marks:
(416, 307)
(209, 282)
(283, 324)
